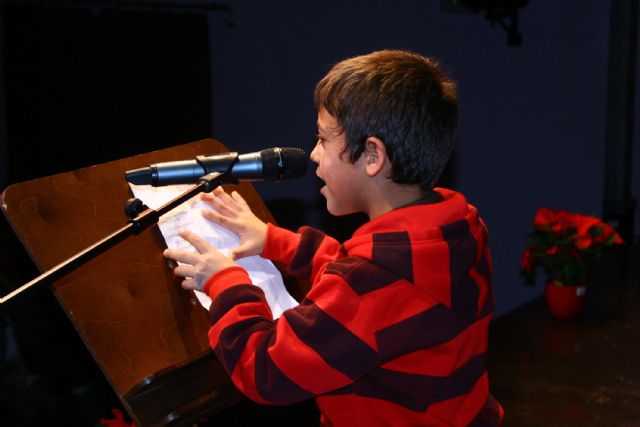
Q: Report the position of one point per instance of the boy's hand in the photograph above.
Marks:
(232, 212)
(197, 268)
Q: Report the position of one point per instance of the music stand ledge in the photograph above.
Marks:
(147, 335)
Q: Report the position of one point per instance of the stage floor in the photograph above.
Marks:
(583, 372)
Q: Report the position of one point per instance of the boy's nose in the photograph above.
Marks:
(315, 154)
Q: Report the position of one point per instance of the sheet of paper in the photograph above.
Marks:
(262, 271)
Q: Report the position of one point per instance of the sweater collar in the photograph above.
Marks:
(431, 212)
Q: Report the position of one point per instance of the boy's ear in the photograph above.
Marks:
(375, 156)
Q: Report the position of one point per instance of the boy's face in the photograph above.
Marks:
(345, 183)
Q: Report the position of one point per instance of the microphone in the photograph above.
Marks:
(271, 164)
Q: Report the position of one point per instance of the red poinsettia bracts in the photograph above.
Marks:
(564, 244)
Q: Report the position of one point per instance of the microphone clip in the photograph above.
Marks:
(218, 162)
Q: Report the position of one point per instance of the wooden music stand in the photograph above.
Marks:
(148, 336)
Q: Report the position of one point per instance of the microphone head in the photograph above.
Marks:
(283, 163)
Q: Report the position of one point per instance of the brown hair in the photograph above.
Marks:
(401, 97)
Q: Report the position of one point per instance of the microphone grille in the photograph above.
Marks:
(283, 163)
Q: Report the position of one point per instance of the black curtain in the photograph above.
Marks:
(84, 86)
(88, 86)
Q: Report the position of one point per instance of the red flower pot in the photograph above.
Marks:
(565, 302)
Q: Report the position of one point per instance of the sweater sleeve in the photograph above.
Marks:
(269, 361)
(304, 252)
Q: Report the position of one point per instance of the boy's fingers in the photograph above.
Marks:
(181, 256)
(240, 252)
(184, 270)
(189, 284)
(236, 254)
(238, 198)
(222, 220)
(212, 215)
(220, 200)
(196, 241)
(223, 206)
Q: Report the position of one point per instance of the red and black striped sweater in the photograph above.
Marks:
(392, 333)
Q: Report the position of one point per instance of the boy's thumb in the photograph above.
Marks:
(239, 252)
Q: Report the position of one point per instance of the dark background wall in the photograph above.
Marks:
(532, 123)
(133, 79)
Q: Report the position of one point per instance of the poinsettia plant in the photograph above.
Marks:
(564, 245)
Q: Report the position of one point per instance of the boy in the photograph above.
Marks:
(394, 328)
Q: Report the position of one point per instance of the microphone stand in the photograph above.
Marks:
(142, 218)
